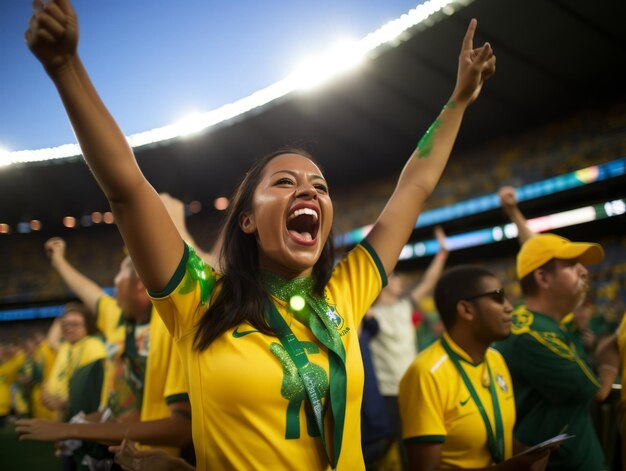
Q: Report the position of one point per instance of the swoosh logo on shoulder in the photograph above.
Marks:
(465, 401)
(238, 335)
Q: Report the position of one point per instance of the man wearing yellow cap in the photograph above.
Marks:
(553, 385)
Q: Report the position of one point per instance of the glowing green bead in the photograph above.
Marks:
(297, 303)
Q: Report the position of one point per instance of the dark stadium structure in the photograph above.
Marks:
(554, 57)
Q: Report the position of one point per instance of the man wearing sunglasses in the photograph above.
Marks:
(456, 399)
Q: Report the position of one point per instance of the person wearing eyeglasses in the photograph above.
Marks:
(77, 375)
(80, 348)
(394, 346)
(456, 398)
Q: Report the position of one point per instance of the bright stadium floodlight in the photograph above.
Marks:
(344, 56)
(4, 157)
(340, 59)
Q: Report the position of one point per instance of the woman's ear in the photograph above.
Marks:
(247, 223)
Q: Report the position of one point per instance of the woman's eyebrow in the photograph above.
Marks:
(314, 176)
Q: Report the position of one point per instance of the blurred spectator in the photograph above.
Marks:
(45, 356)
(376, 434)
(11, 358)
(29, 374)
(554, 386)
(429, 327)
(75, 382)
(145, 398)
(394, 346)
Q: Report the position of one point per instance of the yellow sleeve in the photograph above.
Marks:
(109, 319)
(187, 296)
(357, 281)
(421, 406)
(176, 388)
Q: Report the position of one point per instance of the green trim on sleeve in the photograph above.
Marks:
(425, 439)
(379, 264)
(176, 277)
(176, 398)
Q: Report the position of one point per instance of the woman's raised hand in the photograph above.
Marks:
(52, 33)
(475, 66)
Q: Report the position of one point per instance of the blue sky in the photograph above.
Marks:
(155, 62)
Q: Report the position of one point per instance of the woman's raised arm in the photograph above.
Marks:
(423, 169)
(152, 239)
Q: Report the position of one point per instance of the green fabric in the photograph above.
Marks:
(320, 318)
(85, 389)
(425, 439)
(576, 337)
(135, 364)
(379, 264)
(125, 394)
(554, 389)
(495, 439)
(600, 326)
(176, 277)
(176, 398)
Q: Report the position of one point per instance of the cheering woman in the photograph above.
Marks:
(269, 344)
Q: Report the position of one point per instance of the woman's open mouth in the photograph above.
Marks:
(303, 225)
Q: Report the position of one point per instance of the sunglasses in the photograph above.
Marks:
(498, 295)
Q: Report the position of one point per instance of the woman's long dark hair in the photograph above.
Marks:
(243, 296)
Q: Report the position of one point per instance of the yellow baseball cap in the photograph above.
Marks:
(542, 248)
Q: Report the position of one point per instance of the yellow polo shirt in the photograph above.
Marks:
(436, 406)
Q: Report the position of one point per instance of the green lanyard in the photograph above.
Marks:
(337, 388)
(494, 442)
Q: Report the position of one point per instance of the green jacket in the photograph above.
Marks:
(554, 389)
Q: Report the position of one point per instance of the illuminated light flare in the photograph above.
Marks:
(297, 303)
(316, 71)
(195, 207)
(343, 57)
(588, 175)
(69, 222)
(221, 203)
